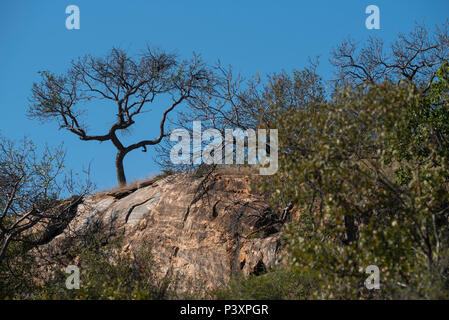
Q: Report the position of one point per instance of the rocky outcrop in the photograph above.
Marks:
(206, 228)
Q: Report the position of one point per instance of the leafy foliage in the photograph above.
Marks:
(108, 273)
(368, 172)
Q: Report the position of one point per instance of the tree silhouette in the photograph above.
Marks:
(130, 84)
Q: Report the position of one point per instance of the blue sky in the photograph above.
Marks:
(252, 36)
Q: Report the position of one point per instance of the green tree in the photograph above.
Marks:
(368, 172)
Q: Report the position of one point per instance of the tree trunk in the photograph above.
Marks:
(121, 178)
(351, 228)
(5, 246)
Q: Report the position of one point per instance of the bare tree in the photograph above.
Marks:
(229, 104)
(414, 57)
(30, 188)
(239, 103)
(129, 84)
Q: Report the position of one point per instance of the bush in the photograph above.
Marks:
(368, 171)
(279, 284)
(107, 273)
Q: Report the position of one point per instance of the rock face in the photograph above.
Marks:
(206, 228)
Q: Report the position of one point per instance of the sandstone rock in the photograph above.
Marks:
(196, 226)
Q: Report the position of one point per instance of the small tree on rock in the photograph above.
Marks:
(129, 84)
